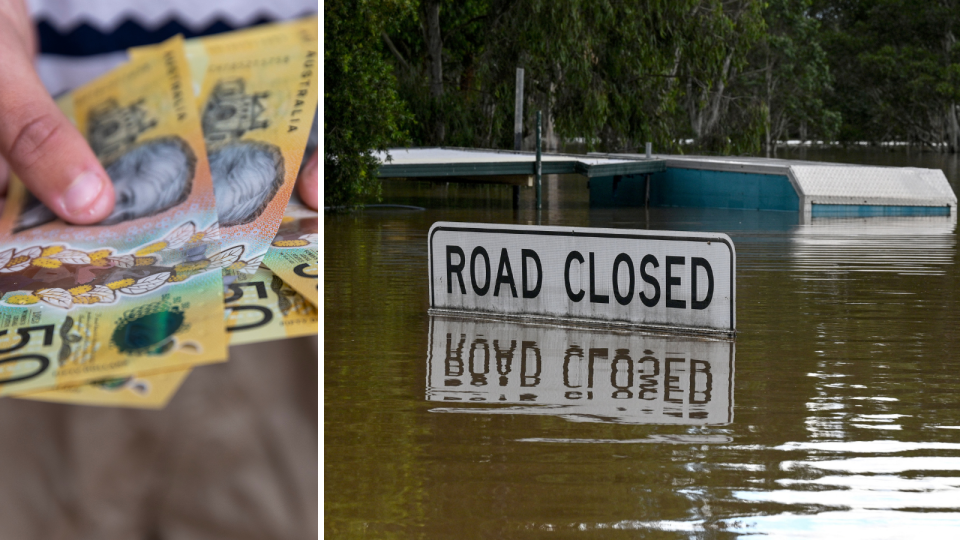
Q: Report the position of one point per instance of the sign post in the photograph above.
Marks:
(677, 282)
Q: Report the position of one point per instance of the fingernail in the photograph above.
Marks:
(83, 192)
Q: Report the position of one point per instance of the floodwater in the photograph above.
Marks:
(836, 412)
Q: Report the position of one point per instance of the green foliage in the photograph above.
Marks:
(362, 112)
(616, 74)
(896, 64)
(791, 75)
(732, 76)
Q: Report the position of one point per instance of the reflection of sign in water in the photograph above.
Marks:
(657, 279)
(581, 374)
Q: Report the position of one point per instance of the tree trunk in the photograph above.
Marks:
(489, 111)
(550, 141)
(548, 137)
(767, 112)
(393, 49)
(696, 113)
(953, 128)
(704, 119)
(717, 98)
(435, 51)
(782, 125)
(434, 47)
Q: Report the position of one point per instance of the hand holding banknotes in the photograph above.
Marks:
(44, 149)
(200, 186)
(139, 210)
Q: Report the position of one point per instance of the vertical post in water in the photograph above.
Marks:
(646, 197)
(518, 129)
(539, 167)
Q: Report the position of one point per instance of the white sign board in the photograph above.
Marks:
(656, 279)
(581, 375)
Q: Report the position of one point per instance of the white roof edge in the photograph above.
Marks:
(818, 182)
(435, 154)
(753, 168)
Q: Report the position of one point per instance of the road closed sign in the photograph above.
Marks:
(662, 280)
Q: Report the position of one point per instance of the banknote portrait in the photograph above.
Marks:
(246, 176)
(148, 177)
(151, 178)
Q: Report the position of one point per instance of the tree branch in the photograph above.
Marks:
(396, 53)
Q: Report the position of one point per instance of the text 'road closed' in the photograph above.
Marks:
(655, 278)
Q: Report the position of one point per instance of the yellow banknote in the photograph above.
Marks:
(257, 91)
(293, 254)
(258, 106)
(285, 35)
(290, 34)
(142, 291)
(142, 392)
(261, 307)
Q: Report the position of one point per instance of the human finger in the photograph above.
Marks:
(308, 183)
(40, 144)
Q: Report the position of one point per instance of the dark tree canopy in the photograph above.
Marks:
(897, 68)
(710, 76)
(362, 112)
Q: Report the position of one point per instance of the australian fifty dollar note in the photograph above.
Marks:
(152, 391)
(259, 307)
(262, 307)
(257, 94)
(142, 291)
(294, 252)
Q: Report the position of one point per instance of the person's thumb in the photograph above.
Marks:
(308, 182)
(46, 151)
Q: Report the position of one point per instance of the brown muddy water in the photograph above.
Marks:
(836, 413)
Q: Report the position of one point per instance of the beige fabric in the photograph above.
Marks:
(234, 455)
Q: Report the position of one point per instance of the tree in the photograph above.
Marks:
(435, 53)
(897, 69)
(720, 36)
(732, 75)
(605, 70)
(362, 112)
(794, 75)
